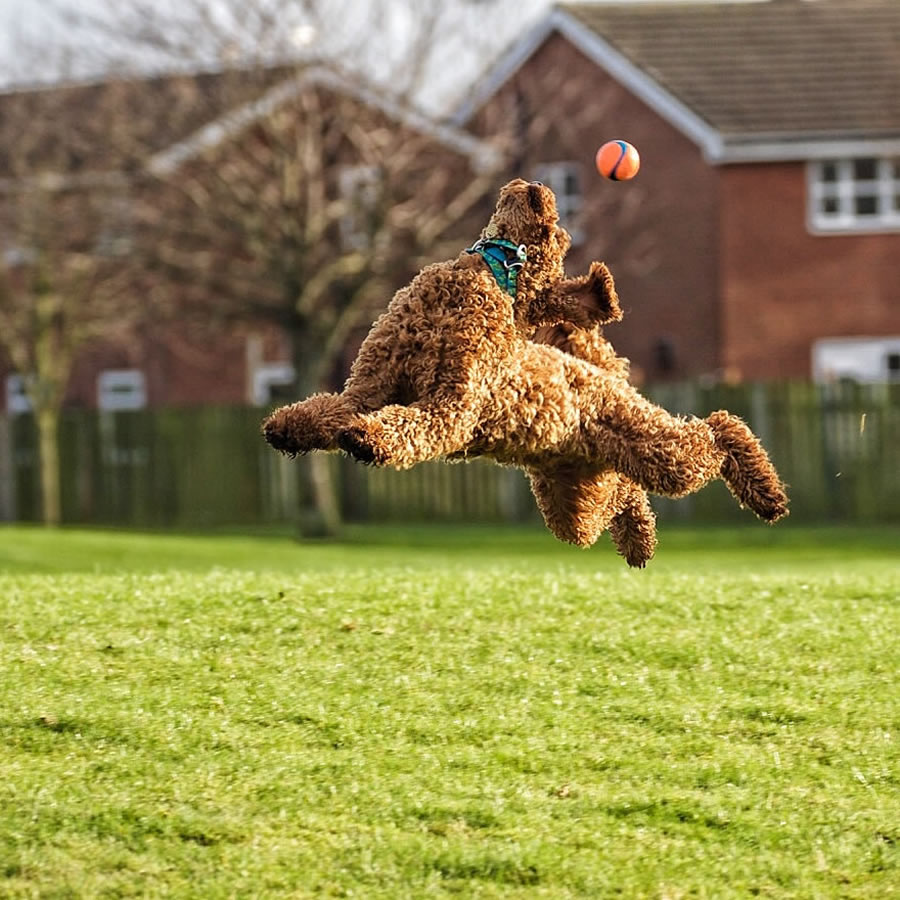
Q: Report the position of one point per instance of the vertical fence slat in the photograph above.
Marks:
(7, 472)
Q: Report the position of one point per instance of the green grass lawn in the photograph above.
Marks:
(449, 712)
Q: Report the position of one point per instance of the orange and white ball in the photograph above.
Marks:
(618, 160)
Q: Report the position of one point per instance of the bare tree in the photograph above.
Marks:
(69, 276)
(60, 288)
(305, 185)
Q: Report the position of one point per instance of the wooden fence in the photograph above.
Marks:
(837, 446)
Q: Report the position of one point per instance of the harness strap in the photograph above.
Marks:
(504, 258)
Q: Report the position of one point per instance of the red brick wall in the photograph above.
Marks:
(657, 232)
(196, 370)
(783, 288)
(181, 369)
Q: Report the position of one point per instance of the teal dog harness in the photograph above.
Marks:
(504, 259)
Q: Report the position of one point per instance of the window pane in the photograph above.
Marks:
(830, 206)
(359, 191)
(16, 399)
(865, 169)
(895, 167)
(829, 171)
(121, 389)
(865, 206)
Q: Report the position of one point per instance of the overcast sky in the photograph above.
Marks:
(22, 19)
(30, 38)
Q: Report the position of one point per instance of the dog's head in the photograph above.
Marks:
(526, 214)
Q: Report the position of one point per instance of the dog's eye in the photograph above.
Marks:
(538, 183)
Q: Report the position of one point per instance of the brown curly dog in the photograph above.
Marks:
(450, 370)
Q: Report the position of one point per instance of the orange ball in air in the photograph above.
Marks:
(618, 160)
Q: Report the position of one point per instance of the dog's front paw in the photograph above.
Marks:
(282, 433)
(361, 442)
(304, 426)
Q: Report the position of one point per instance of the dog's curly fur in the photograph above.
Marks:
(577, 505)
(456, 368)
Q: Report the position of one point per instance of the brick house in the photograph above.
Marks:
(761, 238)
(178, 125)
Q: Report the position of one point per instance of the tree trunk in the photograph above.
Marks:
(48, 443)
(319, 508)
(7, 472)
(323, 515)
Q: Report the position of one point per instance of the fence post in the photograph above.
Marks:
(7, 473)
(760, 403)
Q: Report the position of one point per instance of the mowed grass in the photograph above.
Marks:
(433, 712)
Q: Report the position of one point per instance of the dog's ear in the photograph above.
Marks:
(596, 295)
(584, 302)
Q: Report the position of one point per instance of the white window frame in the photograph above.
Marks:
(121, 389)
(846, 189)
(14, 256)
(861, 359)
(358, 187)
(17, 401)
(557, 175)
(267, 376)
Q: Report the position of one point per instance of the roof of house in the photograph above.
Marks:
(745, 80)
(114, 124)
(84, 132)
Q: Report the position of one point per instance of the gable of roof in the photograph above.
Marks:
(780, 79)
(483, 156)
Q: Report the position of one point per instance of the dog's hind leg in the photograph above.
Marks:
(747, 469)
(672, 457)
(577, 504)
(677, 455)
(633, 530)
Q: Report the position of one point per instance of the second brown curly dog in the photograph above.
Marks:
(449, 370)
(577, 502)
